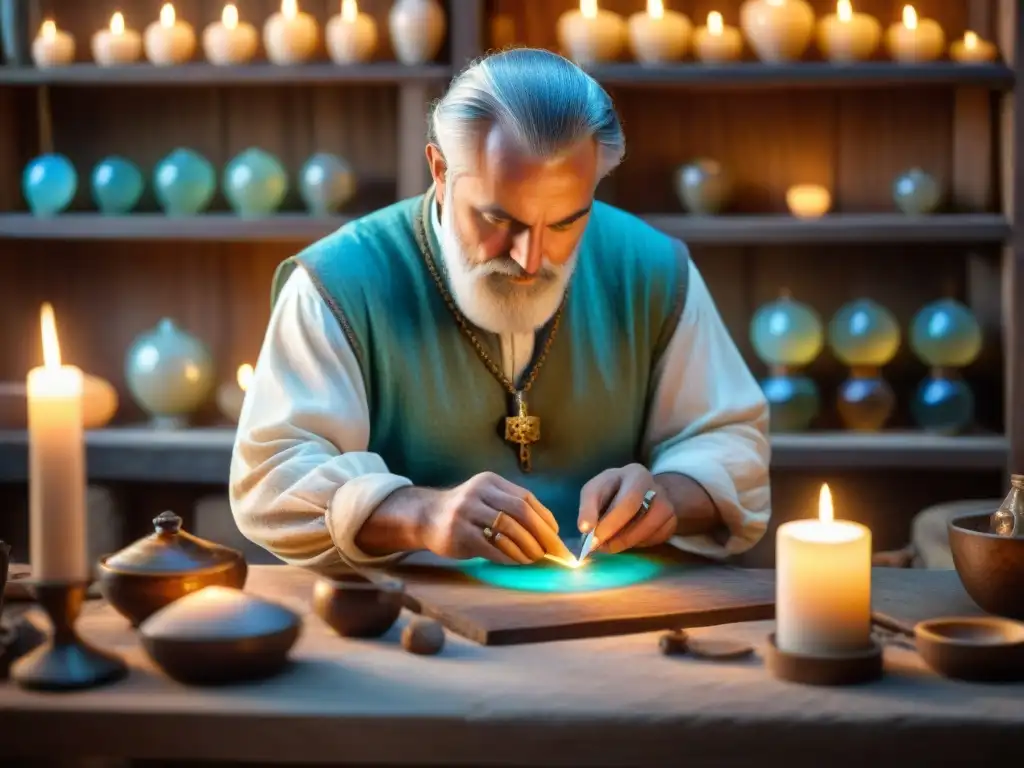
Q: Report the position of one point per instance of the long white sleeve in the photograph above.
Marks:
(709, 421)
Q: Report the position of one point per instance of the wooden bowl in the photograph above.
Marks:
(990, 566)
(354, 606)
(980, 648)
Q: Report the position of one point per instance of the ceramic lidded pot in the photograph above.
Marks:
(117, 185)
(166, 565)
(916, 192)
(49, 184)
(326, 183)
(417, 29)
(255, 183)
(778, 30)
(184, 182)
(703, 186)
(169, 373)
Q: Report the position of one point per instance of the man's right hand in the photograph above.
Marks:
(453, 525)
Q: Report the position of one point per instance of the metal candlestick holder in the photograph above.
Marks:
(65, 662)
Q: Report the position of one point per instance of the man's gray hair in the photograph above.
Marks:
(545, 102)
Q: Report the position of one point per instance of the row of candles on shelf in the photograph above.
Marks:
(290, 36)
(777, 30)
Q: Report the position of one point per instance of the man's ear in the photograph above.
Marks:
(438, 169)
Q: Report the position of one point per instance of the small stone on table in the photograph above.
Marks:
(423, 636)
(674, 643)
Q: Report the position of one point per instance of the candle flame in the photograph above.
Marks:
(289, 8)
(825, 512)
(349, 11)
(51, 346)
(244, 377)
(167, 16)
(117, 23)
(844, 10)
(970, 40)
(656, 9)
(909, 17)
(229, 17)
(49, 30)
(588, 8)
(715, 24)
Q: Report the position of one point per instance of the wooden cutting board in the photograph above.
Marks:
(687, 592)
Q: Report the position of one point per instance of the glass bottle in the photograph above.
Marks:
(1008, 520)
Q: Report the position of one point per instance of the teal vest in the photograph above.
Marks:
(437, 413)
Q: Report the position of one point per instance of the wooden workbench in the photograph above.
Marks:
(602, 702)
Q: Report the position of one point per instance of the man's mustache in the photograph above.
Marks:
(506, 265)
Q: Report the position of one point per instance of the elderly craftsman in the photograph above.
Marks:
(482, 370)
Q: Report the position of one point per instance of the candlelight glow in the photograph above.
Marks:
(117, 23)
(349, 11)
(808, 201)
(51, 346)
(825, 512)
(970, 40)
(588, 8)
(244, 377)
(167, 16)
(909, 17)
(844, 10)
(229, 17)
(289, 8)
(715, 24)
(49, 30)
(656, 9)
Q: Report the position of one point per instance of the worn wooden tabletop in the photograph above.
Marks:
(608, 701)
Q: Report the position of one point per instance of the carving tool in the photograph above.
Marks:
(588, 540)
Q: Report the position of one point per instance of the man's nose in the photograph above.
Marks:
(526, 251)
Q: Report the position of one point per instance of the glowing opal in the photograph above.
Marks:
(184, 182)
(793, 402)
(49, 184)
(117, 185)
(255, 183)
(599, 572)
(786, 332)
(864, 333)
(943, 405)
(946, 334)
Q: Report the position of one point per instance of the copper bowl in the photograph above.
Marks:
(354, 606)
(980, 648)
(991, 567)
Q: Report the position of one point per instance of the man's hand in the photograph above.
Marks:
(621, 493)
(453, 526)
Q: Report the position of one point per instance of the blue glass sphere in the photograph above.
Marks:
(184, 183)
(255, 183)
(793, 402)
(786, 332)
(944, 405)
(864, 333)
(865, 403)
(49, 184)
(117, 185)
(326, 183)
(946, 334)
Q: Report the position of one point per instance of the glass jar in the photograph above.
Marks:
(1008, 520)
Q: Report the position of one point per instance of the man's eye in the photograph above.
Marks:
(493, 220)
(561, 227)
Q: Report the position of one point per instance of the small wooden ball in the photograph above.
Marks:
(423, 637)
(674, 643)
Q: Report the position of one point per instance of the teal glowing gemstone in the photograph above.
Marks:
(864, 333)
(255, 183)
(943, 405)
(117, 185)
(49, 184)
(786, 332)
(599, 572)
(793, 402)
(184, 183)
(865, 403)
(946, 334)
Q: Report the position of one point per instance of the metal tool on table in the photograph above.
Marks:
(588, 540)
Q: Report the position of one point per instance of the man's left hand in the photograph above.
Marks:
(612, 501)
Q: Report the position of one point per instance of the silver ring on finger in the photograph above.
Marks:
(645, 505)
(492, 535)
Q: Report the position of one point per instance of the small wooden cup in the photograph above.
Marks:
(354, 606)
(979, 648)
(838, 669)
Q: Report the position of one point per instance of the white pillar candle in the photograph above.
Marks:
(591, 35)
(117, 45)
(845, 36)
(350, 36)
(169, 40)
(914, 39)
(229, 41)
(290, 35)
(972, 49)
(659, 35)
(52, 47)
(57, 548)
(717, 42)
(823, 584)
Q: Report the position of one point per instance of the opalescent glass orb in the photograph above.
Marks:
(786, 332)
(117, 185)
(599, 572)
(864, 333)
(943, 405)
(49, 184)
(793, 402)
(946, 334)
(916, 192)
(255, 183)
(184, 183)
(326, 183)
(865, 404)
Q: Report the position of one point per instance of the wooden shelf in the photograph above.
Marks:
(203, 455)
(208, 74)
(694, 230)
(879, 74)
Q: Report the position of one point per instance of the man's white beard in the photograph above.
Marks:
(485, 292)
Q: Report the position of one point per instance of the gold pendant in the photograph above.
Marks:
(522, 429)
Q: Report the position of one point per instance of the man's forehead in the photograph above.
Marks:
(503, 159)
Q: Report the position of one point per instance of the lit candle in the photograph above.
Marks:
(777, 30)
(290, 35)
(229, 41)
(972, 49)
(591, 35)
(659, 35)
(231, 396)
(717, 42)
(823, 584)
(351, 36)
(56, 464)
(52, 47)
(117, 45)
(915, 40)
(845, 36)
(808, 201)
(169, 41)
